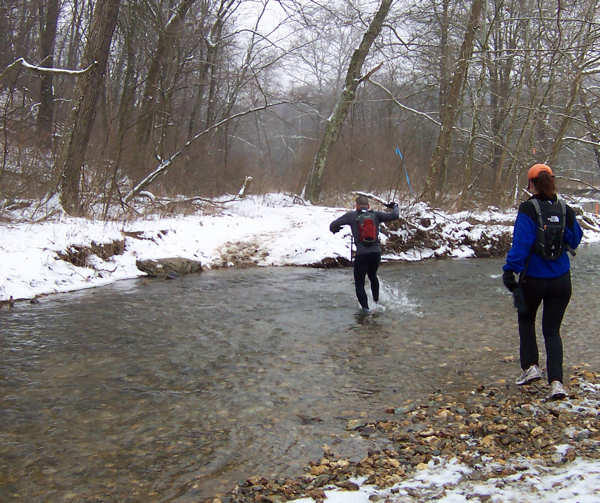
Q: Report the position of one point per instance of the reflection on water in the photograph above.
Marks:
(175, 390)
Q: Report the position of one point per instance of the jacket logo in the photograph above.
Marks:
(554, 219)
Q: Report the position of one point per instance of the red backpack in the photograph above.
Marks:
(367, 227)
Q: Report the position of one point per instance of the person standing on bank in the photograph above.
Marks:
(545, 229)
(364, 224)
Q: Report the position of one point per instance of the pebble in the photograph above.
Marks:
(484, 429)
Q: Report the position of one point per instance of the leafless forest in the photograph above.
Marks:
(102, 101)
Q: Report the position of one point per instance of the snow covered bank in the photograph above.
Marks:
(269, 230)
(445, 481)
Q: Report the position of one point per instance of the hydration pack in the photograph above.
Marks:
(551, 220)
(367, 227)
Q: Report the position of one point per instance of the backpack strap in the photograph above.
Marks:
(564, 219)
(538, 211)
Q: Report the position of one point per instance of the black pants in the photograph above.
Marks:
(366, 264)
(555, 293)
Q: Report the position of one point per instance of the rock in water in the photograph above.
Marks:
(168, 267)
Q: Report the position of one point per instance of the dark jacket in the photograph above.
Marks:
(524, 235)
(350, 219)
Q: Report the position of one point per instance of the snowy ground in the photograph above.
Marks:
(279, 232)
(445, 481)
(270, 229)
(274, 229)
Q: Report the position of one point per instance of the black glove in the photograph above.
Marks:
(335, 229)
(508, 278)
(391, 205)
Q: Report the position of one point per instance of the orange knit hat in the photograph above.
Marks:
(536, 169)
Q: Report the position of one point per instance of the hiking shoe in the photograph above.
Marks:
(557, 391)
(531, 374)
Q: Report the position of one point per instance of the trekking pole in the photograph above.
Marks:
(399, 154)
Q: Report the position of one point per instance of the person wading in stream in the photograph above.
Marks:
(364, 224)
(545, 229)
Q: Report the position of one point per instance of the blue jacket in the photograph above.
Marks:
(524, 235)
(349, 218)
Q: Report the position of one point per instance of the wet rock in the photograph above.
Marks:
(318, 470)
(316, 494)
(322, 479)
(348, 485)
(537, 431)
(352, 424)
(168, 267)
(488, 441)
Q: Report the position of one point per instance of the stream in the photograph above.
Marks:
(149, 390)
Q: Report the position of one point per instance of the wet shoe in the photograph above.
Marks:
(557, 391)
(533, 373)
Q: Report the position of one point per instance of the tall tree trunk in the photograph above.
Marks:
(444, 21)
(151, 98)
(335, 122)
(87, 90)
(585, 40)
(213, 52)
(46, 109)
(567, 118)
(502, 97)
(6, 53)
(449, 113)
(478, 104)
(74, 33)
(592, 127)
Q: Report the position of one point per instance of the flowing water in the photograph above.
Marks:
(176, 390)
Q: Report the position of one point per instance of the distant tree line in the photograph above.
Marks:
(96, 96)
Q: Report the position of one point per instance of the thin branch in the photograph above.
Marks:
(402, 106)
(437, 123)
(42, 69)
(166, 163)
(578, 180)
(581, 140)
(370, 72)
(164, 201)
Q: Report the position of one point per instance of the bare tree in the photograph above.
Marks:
(152, 94)
(72, 156)
(47, 40)
(353, 80)
(449, 112)
(593, 127)
(586, 35)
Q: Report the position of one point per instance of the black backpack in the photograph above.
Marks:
(367, 227)
(551, 221)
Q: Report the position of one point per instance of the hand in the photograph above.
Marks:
(335, 229)
(391, 205)
(508, 278)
